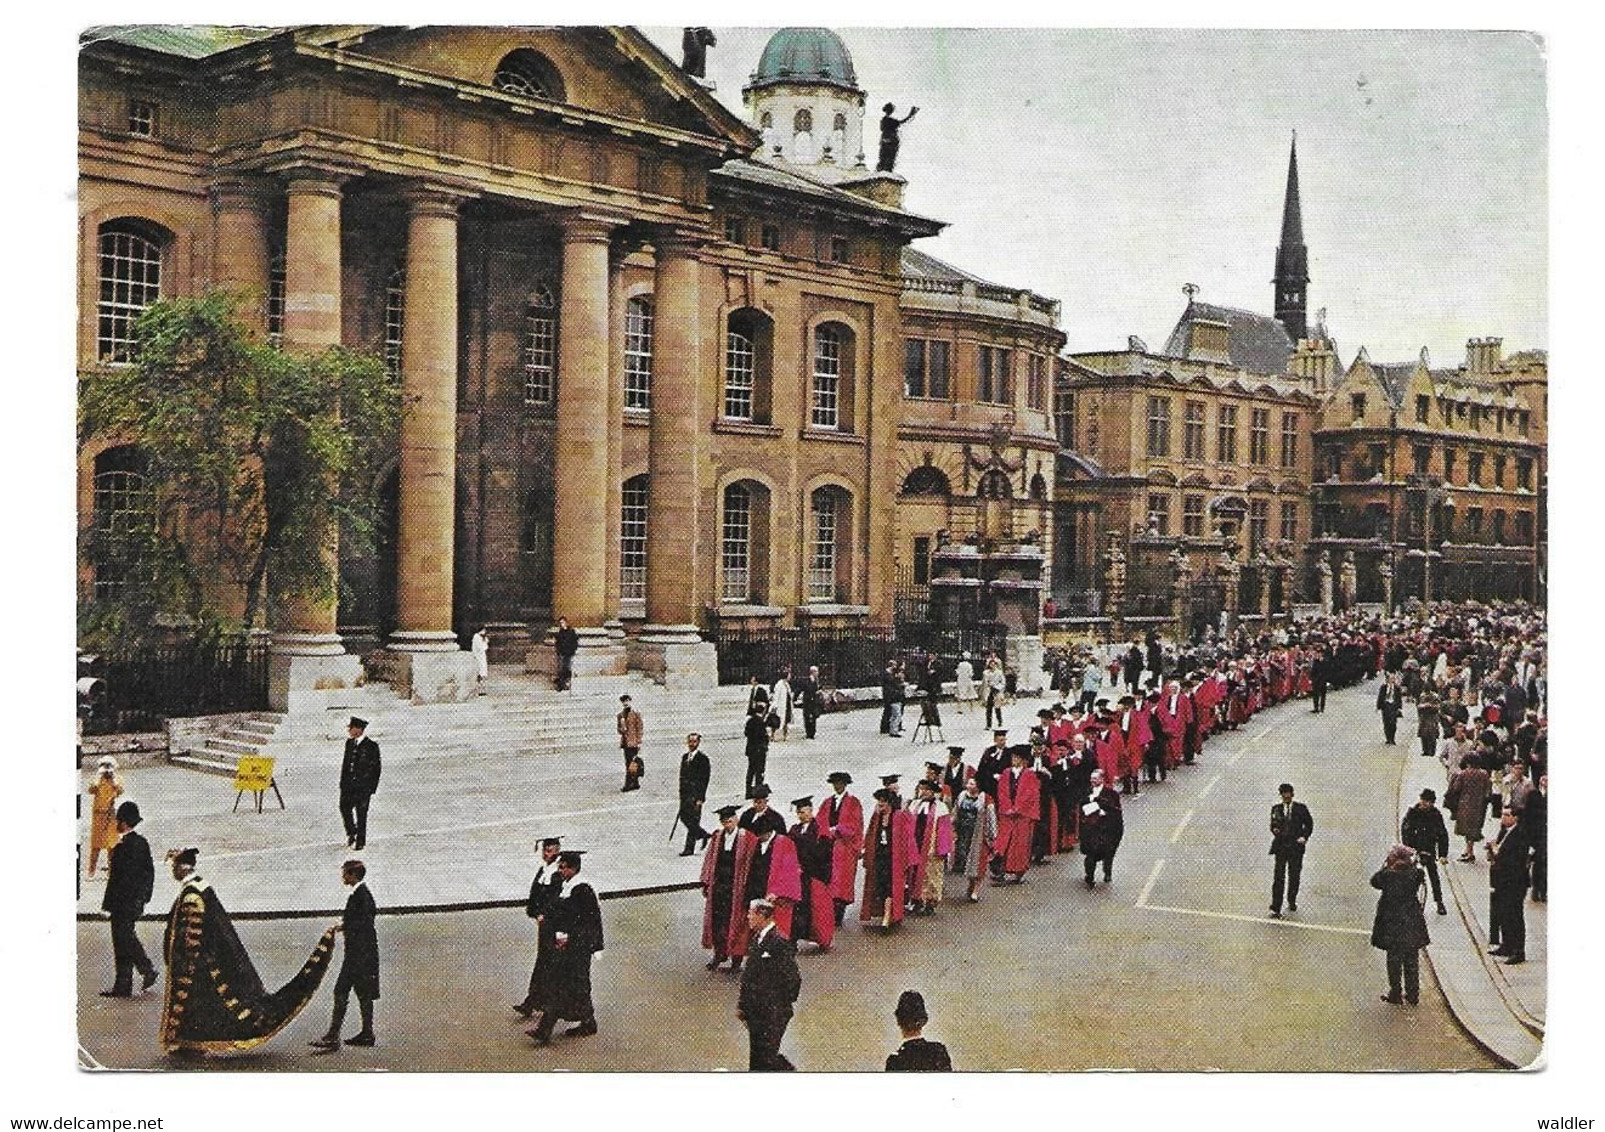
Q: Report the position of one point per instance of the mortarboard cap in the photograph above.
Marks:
(839, 776)
(545, 841)
(954, 752)
(890, 779)
(727, 812)
(570, 857)
(799, 803)
(932, 766)
(759, 791)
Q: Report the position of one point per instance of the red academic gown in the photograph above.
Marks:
(735, 941)
(1134, 742)
(785, 882)
(871, 908)
(1110, 750)
(1305, 680)
(1019, 802)
(1059, 734)
(820, 923)
(1173, 721)
(845, 827)
(938, 839)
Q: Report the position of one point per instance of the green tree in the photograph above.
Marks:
(250, 454)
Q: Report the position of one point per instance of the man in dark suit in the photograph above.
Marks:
(1291, 827)
(770, 984)
(359, 778)
(1507, 880)
(1320, 675)
(359, 969)
(565, 642)
(542, 890)
(756, 732)
(1535, 820)
(575, 917)
(130, 878)
(1390, 702)
(916, 1054)
(812, 699)
(694, 774)
(1424, 831)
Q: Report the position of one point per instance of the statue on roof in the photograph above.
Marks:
(891, 136)
(694, 44)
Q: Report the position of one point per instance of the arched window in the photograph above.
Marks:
(632, 540)
(123, 510)
(926, 480)
(540, 347)
(395, 319)
(1039, 488)
(994, 485)
(277, 287)
(130, 281)
(638, 354)
(803, 122)
(749, 351)
(838, 136)
(735, 550)
(802, 137)
(831, 403)
(830, 527)
(530, 74)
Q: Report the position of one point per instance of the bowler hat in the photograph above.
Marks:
(910, 1012)
(358, 723)
(128, 814)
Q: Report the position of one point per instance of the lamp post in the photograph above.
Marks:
(1433, 496)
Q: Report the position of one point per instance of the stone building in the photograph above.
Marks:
(1432, 480)
(654, 362)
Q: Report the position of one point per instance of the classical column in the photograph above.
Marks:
(580, 529)
(670, 648)
(310, 667)
(422, 658)
(618, 308)
(241, 253)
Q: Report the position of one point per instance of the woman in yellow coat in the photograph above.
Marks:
(105, 791)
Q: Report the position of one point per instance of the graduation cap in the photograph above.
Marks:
(1020, 751)
(570, 857)
(932, 766)
(891, 779)
(1045, 713)
(359, 723)
(1127, 700)
(954, 752)
(184, 856)
(799, 803)
(839, 776)
(1102, 703)
(996, 731)
(882, 795)
(759, 791)
(545, 841)
(727, 812)
(927, 784)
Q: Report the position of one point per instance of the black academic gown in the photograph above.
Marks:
(577, 914)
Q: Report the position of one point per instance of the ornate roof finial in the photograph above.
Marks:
(1190, 289)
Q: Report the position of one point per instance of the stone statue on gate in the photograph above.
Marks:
(891, 136)
(1348, 580)
(1323, 567)
(694, 44)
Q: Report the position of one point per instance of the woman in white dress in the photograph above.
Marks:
(964, 684)
(480, 647)
(780, 702)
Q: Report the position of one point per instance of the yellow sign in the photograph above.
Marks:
(255, 773)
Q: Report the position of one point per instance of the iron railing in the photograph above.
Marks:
(847, 657)
(140, 688)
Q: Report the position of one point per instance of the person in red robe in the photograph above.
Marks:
(774, 875)
(1019, 803)
(1060, 729)
(1107, 746)
(888, 849)
(724, 920)
(933, 841)
(815, 916)
(1134, 737)
(841, 818)
(1174, 714)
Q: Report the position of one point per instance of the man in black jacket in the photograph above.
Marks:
(542, 890)
(1507, 879)
(575, 917)
(1390, 702)
(916, 1054)
(1424, 831)
(1320, 675)
(359, 778)
(811, 697)
(1535, 820)
(130, 878)
(565, 642)
(359, 969)
(694, 775)
(756, 732)
(1291, 827)
(770, 984)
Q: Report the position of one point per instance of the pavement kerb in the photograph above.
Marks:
(411, 909)
(1508, 1036)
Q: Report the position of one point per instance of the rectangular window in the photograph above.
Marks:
(1289, 522)
(1449, 455)
(995, 383)
(1159, 513)
(827, 379)
(1474, 522)
(740, 368)
(1357, 403)
(1499, 471)
(632, 541)
(1446, 410)
(1423, 459)
(1524, 472)
(1192, 516)
(938, 368)
(1499, 420)
(278, 286)
(914, 367)
(1524, 527)
(735, 547)
(922, 560)
(735, 230)
(1036, 382)
(1499, 528)
(770, 237)
(838, 249)
(1226, 435)
(822, 560)
(540, 349)
(1259, 437)
(1159, 426)
(1474, 468)
(1423, 407)
(1064, 417)
(638, 355)
(1521, 422)
(1192, 436)
(1259, 522)
(142, 118)
(1290, 424)
(1379, 461)
(1476, 418)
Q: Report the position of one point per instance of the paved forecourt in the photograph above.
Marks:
(1176, 965)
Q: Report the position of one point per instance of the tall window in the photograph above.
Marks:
(123, 508)
(540, 347)
(1159, 513)
(922, 560)
(1192, 436)
(740, 369)
(1289, 440)
(395, 319)
(1064, 416)
(926, 367)
(1474, 467)
(1524, 527)
(838, 249)
(1159, 426)
(1259, 522)
(1192, 515)
(1259, 436)
(278, 286)
(1498, 533)
(995, 384)
(1289, 522)
(1499, 471)
(735, 230)
(1357, 404)
(1423, 408)
(735, 558)
(638, 354)
(914, 375)
(769, 237)
(822, 551)
(1524, 472)
(829, 343)
(632, 540)
(1423, 459)
(1036, 381)
(1474, 522)
(130, 281)
(1448, 465)
(1226, 435)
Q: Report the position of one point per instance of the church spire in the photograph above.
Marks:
(1292, 258)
